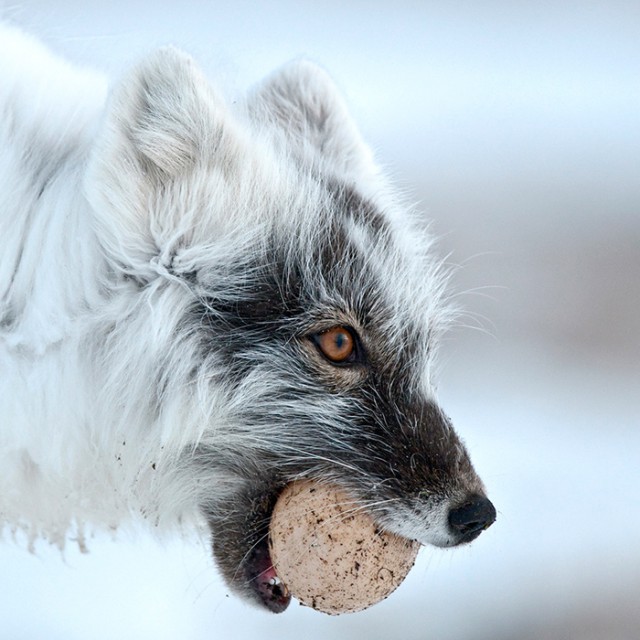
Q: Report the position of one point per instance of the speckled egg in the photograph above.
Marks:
(330, 553)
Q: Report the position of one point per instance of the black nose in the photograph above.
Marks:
(472, 518)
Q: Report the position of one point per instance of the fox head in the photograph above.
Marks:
(283, 310)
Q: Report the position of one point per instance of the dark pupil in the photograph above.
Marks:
(341, 340)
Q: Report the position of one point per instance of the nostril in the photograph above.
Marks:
(473, 517)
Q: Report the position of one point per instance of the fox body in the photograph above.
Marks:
(200, 304)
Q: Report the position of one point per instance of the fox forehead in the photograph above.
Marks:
(347, 262)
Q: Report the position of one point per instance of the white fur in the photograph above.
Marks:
(104, 212)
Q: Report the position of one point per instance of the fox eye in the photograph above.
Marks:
(338, 345)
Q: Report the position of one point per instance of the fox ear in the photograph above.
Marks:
(163, 123)
(305, 104)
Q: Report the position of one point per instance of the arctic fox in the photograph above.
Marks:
(201, 302)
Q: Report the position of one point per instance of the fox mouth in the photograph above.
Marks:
(466, 523)
(263, 580)
(247, 563)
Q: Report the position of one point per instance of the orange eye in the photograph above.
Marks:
(337, 344)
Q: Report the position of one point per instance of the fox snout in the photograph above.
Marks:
(471, 518)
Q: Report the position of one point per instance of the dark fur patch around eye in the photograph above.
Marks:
(268, 297)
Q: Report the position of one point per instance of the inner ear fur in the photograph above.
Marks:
(163, 124)
(303, 102)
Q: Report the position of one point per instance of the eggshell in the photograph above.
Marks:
(330, 553)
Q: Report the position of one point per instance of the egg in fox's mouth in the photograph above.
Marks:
(326, 550)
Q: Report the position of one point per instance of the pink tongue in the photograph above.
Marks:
(269, 576)
(272, 591)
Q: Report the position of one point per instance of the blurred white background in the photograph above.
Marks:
(516, 125)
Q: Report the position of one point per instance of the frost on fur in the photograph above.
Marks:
(167, 266)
